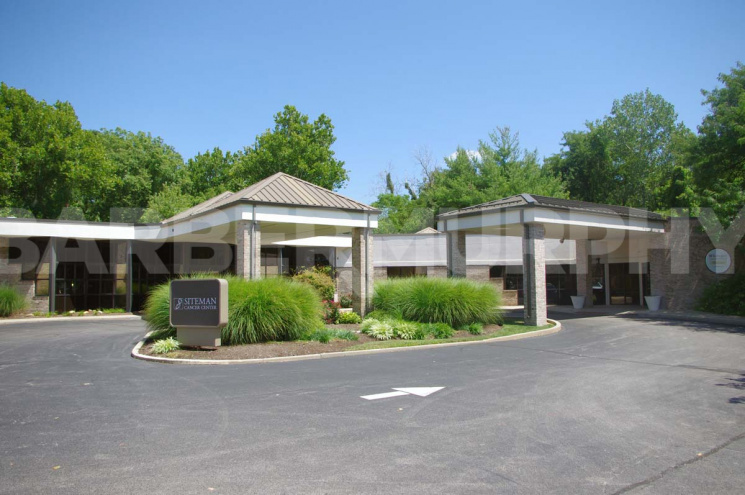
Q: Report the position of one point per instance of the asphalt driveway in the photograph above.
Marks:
(608, 405)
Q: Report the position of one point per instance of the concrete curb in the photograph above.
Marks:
(40, 319)
(537, 333)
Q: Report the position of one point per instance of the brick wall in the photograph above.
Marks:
(681, 279)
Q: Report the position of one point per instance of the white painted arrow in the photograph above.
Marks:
(419, 391)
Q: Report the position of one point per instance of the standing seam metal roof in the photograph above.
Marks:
(280, 188)
(556, 203)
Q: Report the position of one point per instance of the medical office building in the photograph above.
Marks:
(539, 251)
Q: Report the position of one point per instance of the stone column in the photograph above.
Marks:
(4, 261)
(584, 271)
(248, 249)
(362, 269)
(659, 267)
(456, 249)
(534, 274)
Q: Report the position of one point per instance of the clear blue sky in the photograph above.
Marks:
(392, 76)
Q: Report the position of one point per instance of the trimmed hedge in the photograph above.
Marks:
(11, 301)
(258, 310)
(455, 301)
(726, 297)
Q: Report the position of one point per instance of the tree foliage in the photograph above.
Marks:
(719, 153)
(295, 146)
(629, 157)
(498, 169)
(43, 154)
(52, 168)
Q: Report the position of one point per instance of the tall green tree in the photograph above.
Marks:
(295, 146)
(500, 168)
(719, 153)
(629, 157)
(44, 166)
(142, 165)
(585, 165)
(643, 130)
(166, 203)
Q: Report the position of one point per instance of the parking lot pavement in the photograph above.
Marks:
(608, 405)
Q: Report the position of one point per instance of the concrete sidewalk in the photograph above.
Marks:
(629, 310)
(676, 315)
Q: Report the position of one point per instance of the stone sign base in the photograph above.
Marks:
(199, 336)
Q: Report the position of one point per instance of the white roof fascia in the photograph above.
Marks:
(65, 229)
(479, 221)
(318, 241)
(586, 219)
(311, 216)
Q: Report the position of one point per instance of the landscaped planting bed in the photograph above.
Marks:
(279, 317)
(362, 342)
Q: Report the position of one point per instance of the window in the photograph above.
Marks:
(496, 272)
(406, 271)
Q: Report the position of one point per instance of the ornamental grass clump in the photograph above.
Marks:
(454, 301)
(11, 301)
(270, 309)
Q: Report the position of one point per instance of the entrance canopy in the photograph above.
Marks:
(535, 218)
(561, 218)
(288, 208)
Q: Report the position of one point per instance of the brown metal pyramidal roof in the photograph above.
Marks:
(279, 189)
(528, 200)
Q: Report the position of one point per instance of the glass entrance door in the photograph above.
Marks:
(624, 284)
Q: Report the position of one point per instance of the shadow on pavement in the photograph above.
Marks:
(697, 326)
(737, 384)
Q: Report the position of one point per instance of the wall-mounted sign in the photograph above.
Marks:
(718, 260)
(199, 303)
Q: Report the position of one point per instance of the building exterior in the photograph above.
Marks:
(537, 250)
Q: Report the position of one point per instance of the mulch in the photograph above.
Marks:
(282, 349)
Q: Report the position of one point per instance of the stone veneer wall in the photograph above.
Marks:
(437, 271)
(479, 273)
(344, 280)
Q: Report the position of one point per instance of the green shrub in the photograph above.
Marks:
(325, 335)
(348, 318)
(321, 335)
(258, 310)
(11, 301)
(439, 330)
(345, 335)
(408, 330)
(381, 330)
(165, 346)
(346, 301)
(726, 297)
(320, 279)
(330, 311)
(455, 301)
(475, 328)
